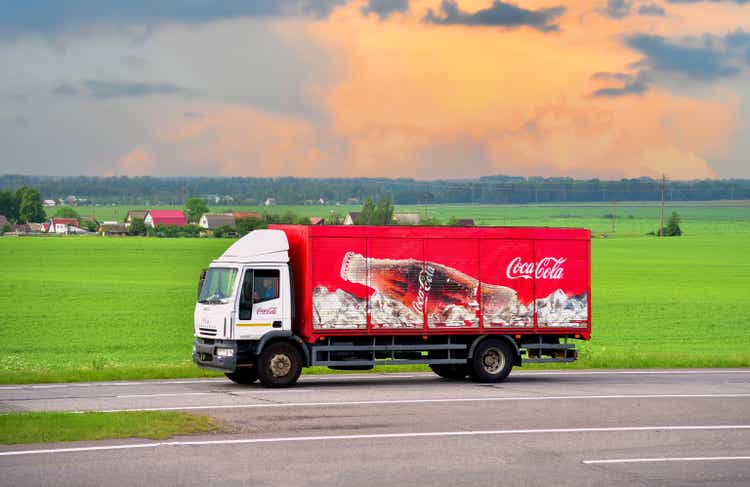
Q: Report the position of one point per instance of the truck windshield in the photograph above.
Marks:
(217, 288)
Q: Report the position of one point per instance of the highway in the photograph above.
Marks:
(579, 427)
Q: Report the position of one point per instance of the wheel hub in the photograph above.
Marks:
(493, 360)
(280, 365)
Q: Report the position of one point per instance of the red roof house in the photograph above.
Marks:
(61, 225)
(165, 217)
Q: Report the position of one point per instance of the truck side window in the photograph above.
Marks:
(246, 296)
(265, 285)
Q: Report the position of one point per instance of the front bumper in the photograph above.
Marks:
(204, 354)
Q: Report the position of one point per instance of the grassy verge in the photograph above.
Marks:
(50, 427)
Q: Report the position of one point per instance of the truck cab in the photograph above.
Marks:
(244, 299)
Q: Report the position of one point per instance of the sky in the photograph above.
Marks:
(424, 89)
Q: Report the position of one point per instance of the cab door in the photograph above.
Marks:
(260, 304)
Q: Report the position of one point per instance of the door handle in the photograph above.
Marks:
(277, 324)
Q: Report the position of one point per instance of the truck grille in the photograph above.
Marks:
(207, 331)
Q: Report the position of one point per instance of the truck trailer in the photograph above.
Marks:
(468, 302)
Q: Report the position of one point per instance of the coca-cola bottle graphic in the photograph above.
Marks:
(441, 292)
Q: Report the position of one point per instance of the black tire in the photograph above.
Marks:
(243, 376)
(492, 361)
(279, 365)
(450, 371)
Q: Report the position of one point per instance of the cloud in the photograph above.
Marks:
(701, 62)
(54, 17)
(606, 76)
(117, 89)
(738, 38)
(616, 9)
(651, 9)
(635, 87)
(384, 8)
(500, 14)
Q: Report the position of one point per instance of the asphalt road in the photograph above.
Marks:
(646, 427)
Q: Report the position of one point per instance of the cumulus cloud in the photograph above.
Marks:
(499, 14)
(631, 84)
(616, 9)
(384, 8)
(652, 10)
(701, 62)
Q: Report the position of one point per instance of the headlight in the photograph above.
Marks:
(225, 352)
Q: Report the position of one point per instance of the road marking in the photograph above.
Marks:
(378, 375)
(215, 393)
(674, 459)
(246, 441)
(421, 401)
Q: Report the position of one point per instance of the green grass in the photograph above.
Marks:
(92, 308)
(48, 427)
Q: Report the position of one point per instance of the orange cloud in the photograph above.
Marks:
(520, 98)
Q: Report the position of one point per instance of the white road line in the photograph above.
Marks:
(383, 375)
(421, 401)
(653, 460)
(216, 393)
(282, 439)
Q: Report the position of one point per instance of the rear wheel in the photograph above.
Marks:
(450, 371)
(279, 365)
(492, 361)
(243, 376)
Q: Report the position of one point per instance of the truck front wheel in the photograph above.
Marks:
(492, 361)
(279, 365)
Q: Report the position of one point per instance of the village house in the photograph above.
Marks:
(316, 220)
(270, 202)
(406, 218)
(155, 218)
(132, 214)
(49, 203)
(3, 221)
(62, 226)
(110, 229)
(212, 221)
(352, 217)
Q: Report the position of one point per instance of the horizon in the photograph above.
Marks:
(424, 89)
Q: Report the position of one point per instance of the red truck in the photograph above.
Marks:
(466, 301)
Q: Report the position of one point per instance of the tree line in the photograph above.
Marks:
(298, 191)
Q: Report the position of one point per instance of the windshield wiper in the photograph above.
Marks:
(211, 301)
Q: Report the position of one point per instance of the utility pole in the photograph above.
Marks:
(661, 211)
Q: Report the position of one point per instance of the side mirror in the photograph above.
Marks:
(201, 280)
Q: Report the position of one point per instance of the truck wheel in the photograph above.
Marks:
(279, 365)
(492, 361)
(450, 371)
(243, 376)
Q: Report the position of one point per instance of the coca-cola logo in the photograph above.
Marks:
(266, 311)
(425, 284)
(546, 268)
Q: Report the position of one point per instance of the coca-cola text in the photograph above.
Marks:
(547, 268)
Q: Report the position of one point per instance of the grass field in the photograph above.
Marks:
(50, 427)
(92, 308)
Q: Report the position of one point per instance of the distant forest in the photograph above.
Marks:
(298, 191)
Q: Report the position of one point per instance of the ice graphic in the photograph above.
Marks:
(338, 309)
(342, 310)
(559, 309)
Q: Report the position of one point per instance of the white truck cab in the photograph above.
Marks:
(243, 297)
